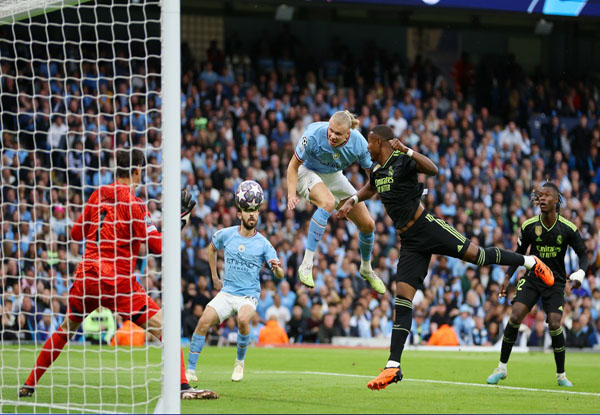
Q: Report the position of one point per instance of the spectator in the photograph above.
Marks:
(344, 328)
(288, 297)
(397, 123)
(361, 322)
(480, 333)
(228, 334)
(281, 313)
(537, 338)
(326, 330)
(272, 333)
(190, 319)
(313, 323)
(444, 336)
(297, 325)
(464, 325)
(419, 333)
(129, 334)
(255, 327)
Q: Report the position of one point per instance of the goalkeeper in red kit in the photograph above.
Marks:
(114, 224)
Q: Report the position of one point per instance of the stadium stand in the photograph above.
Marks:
(495, 132)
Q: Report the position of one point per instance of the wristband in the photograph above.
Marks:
(355, 198)
(578, 275)
(410, 152)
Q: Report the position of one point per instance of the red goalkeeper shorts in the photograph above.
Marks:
(90, 292)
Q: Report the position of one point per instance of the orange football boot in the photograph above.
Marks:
(387, 376)
(542, 271)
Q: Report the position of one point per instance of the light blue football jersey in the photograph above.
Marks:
(318, 155)
(244, 257)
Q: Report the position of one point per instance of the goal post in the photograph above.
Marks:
(80, 79)
(171, 75)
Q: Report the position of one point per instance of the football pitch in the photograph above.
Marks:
(311, 380)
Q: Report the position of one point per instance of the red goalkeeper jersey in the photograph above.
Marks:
(114, 224)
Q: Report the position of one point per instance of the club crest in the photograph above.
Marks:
(538, 230)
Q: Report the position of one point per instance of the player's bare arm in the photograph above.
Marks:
(292, 182)
(366, 192)
(276, 268)
(212, 262)
(424, 163)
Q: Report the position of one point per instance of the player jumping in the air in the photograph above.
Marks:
(114, 224)
(549, 236)
(246, 251)
(394, 177)
(316, 173)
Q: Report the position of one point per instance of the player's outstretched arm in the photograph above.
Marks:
(276, 268)
(212, 262)
(292, 182)
(366, 192)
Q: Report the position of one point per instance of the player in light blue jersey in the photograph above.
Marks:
(246, 251)
(316, 173)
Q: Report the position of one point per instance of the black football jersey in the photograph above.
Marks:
(397, 185)
(550, 244)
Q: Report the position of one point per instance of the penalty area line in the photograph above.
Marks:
(445, 382)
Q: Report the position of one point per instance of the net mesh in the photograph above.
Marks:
(78, 81)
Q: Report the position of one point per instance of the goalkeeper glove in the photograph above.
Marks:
(577, 277)
(187, 205)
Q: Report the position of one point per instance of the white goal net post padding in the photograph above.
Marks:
(78, 80)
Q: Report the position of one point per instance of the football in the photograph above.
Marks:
(249, 195)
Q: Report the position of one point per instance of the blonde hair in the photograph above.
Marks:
(345, 118)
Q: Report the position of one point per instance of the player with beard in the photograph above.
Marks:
(246, 251)
(549, 235)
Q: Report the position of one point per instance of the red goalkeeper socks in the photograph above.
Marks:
(48, 355)
(182, 376)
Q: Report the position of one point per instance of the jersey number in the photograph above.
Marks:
(520, 284)
(102, 217)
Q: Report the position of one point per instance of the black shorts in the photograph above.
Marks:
(529, 292)
(428, 235)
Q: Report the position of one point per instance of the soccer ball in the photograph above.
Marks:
(249, 195)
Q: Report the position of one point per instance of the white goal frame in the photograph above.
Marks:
(14, 10)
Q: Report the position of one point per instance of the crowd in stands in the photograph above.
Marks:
(242, 115)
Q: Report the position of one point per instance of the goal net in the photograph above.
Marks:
(79, 80)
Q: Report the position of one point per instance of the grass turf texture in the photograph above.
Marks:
(267, 388)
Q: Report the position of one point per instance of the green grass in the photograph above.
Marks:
(277, 381)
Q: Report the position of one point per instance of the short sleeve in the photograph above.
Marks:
(410, 165)
(270, 252)
(303, 147)
(372, 176)
(217, 239)
(523, 239)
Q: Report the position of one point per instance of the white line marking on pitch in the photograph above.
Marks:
(447, 382)
(69, 407)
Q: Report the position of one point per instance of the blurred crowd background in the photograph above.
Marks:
(495, 132)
